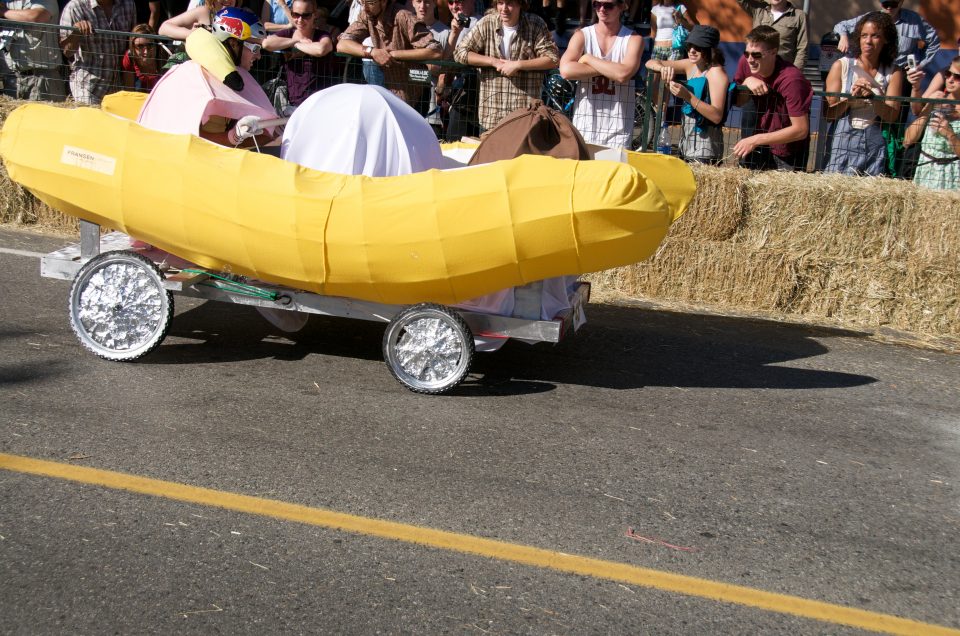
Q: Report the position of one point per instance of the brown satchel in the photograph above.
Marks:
(532, 130)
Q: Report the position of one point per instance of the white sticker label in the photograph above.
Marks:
(88, 160)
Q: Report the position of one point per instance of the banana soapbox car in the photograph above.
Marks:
(415, 251)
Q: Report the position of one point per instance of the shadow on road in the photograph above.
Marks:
(27, 372)
(619, 348)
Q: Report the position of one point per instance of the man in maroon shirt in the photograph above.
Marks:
(782, 96)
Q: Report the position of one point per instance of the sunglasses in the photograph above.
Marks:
(253, 48)
(304, 16)
(755, 55)
(606, 6)
(951, 75)
(889, 4)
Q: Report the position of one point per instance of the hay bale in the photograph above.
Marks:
(930, 231)
(717, 210)
(860, 292)
(834, 216)
(714, 272)
(928, 298)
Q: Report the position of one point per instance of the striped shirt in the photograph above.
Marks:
(501, 95)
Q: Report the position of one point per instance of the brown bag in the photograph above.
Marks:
(532, 130)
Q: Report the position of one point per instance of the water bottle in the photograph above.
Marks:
(663, 141)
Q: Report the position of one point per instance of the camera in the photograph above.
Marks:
(463, 20)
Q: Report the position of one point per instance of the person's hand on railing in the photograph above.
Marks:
(381, 57)
(83, 27)
(756, 86)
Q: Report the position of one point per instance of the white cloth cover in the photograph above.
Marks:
(360, 129)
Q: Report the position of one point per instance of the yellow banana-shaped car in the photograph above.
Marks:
(442, 236)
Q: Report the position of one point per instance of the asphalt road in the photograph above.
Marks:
(806, 462)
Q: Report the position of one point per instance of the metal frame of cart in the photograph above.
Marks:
(121, 305)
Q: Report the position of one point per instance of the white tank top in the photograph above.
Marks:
(604, 109)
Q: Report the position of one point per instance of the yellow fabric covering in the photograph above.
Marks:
(126, 104)
(442, 236)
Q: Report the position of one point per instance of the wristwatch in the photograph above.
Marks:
(368, 51)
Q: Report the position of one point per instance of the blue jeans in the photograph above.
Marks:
(373, 73)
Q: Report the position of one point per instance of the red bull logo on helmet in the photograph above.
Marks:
(237, 27)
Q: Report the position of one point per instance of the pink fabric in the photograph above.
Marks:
(187, 95)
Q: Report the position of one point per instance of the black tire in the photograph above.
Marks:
(428, 348)
(118, 308)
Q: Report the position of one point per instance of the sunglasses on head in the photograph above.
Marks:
(606, 6)
(948, 74)
(305, 16)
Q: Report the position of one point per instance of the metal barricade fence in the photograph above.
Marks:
(450, 96)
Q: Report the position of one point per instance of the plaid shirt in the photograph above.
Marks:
(500, 95)
(94, 65)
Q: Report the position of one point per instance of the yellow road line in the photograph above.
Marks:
(527, 555)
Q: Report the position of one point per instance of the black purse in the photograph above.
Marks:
(276, 90)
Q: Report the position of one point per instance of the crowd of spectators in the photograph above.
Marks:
(464, 68)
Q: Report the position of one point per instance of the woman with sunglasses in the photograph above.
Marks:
(704, 94)
(141, 65)
(308, 64)
(604, 57)
(915, 76)
(857, 144)
(938, 131)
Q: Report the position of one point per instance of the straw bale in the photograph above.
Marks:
(834, 216)
(717, 210)
(713, 272)
(928, 296)
(931, 231)
(855, 291)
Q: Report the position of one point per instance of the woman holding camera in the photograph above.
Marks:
(857, 145)
(939, 127)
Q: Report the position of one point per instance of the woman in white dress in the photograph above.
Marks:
(604, 57)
